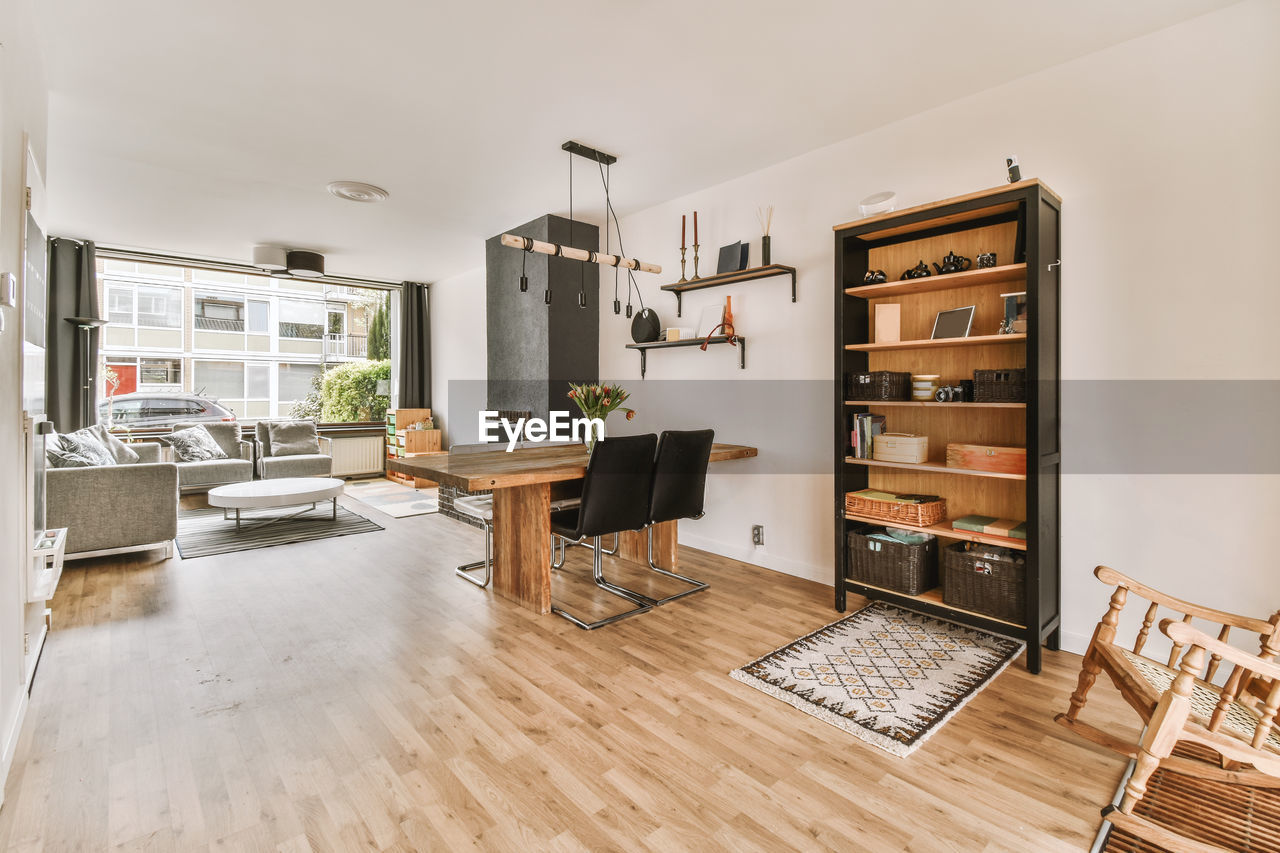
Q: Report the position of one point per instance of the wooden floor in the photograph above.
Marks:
(351, 693)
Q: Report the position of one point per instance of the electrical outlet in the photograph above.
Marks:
(757, 534)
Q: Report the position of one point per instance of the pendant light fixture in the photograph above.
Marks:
(305, 264)
(270, 258)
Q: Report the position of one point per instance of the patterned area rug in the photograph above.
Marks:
(204, 532)
(394, 499)
(886, 675)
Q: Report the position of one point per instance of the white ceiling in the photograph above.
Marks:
(204, 128)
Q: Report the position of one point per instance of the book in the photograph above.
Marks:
(991, 526)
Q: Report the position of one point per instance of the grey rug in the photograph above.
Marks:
(203, 532)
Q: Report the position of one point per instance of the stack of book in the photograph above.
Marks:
(866, 426)
(992, 526)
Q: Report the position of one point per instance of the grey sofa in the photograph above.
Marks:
(236, 468)
(306, 465)
(115, 506)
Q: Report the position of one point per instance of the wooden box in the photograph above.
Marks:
(416, 441)
(982, 457)
(900, 447)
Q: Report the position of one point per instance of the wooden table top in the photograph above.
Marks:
(524, 467)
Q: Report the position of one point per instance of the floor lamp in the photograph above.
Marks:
(86, 325)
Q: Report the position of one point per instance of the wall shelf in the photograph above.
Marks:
(946, 531)
(940, 343)
(931, 404)
(950, 281)
(682, 287)
(933, 467)
(692, 342)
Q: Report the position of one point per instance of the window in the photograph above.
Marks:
(218, 312)
(159, 307)
(160, 371)
(122, 411)
(223, 380)
(300, 319)
(120, 305)
(259, 317)
(257, 381)
(295, 381)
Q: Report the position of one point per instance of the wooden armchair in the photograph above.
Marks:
(1236, 721)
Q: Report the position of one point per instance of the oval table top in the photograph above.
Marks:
(286, 491)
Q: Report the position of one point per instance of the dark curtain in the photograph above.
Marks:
(71, 358)
(415, 347)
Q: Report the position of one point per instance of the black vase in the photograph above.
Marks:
(645, 327)
(765, 254)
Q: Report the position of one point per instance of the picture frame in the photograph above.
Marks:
(711, 317)
(953, 323)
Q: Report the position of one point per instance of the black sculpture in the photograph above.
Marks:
(920, 270)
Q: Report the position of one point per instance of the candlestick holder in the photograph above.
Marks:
(695, 263)
(682, 278)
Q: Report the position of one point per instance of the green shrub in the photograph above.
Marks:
(349, 392)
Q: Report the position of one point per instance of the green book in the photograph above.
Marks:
(973, 523)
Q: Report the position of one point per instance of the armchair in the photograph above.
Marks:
(236, 468)
(271, 466)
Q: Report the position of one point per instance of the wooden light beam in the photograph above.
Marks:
(528, 244)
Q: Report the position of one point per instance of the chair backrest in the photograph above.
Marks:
(680, 474)
(226, 435)
(477, 448)
(615, 491)
(263, 436)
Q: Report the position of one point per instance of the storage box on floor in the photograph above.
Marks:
(904, 561)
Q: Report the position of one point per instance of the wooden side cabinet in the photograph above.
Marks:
(1020, 224)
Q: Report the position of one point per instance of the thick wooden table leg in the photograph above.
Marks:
(522, 545)
(633, 545)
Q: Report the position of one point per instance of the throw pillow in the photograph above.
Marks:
(121, 452)
(57, 456)
(293, 438)
(83, 444)
(193, 444)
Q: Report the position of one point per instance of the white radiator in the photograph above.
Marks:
(358, 455)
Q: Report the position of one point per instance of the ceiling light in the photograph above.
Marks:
(269, 258)
(358, 191)
(306, 264)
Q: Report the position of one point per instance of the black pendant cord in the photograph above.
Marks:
(609, 211)
(617, 306)
(524, 278)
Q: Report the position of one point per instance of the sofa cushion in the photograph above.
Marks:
(193, 444)
(310, 465)
(227, 435)
(293, 438)
(214, 472)
(79, 449)
(121, 452)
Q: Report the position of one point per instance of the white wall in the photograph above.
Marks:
(1163, 149)
(457, 313)
(23, 108)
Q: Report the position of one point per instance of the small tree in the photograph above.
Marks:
(311, 406)
(379, 348)
(349, 392)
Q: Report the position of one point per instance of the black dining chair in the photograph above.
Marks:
(679, 490)
(615, 497)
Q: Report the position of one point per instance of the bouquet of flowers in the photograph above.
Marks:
(598, 401)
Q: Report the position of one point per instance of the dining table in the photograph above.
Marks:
(522, 481)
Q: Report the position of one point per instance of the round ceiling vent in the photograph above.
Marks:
(358, 191)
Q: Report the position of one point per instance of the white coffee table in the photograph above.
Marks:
(266, 494)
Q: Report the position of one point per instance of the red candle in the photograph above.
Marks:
(695, 228)
(682, 218)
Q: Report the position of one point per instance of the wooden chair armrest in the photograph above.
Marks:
(1111, 577)
(1188, 635)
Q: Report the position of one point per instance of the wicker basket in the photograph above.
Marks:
(985, 579)
(909, 569)
(878, 385)
(1000, 386)
(897, 514)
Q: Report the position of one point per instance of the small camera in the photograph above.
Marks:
(953, 394)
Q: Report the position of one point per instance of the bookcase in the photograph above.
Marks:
(1020, 223)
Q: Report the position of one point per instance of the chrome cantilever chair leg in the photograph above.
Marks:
(464, 571)
(698, 586)
(556, 564)
(643, 603)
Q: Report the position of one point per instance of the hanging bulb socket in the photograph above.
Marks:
(546, 296)
(524, 284)
(582, 300)
(628, 310)
(617, 307)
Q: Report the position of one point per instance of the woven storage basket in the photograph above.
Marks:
(909, 569)
(1000, 386)
(986, 579)
(878, 385)
(898, 514)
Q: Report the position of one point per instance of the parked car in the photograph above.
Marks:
(142, 409)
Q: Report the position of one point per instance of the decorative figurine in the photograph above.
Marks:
(874, 277)
(920, 270)
(1015, 173)
(953, 263)
(986, 260)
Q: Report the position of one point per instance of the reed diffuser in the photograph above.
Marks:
(765, 215)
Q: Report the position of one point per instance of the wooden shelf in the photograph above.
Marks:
(940, 343)
(946, 531)
(946, 211)
(932, 404)
(933, 468)
(950, 281)
(934, 597)
(692, 342)
(681, 287)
